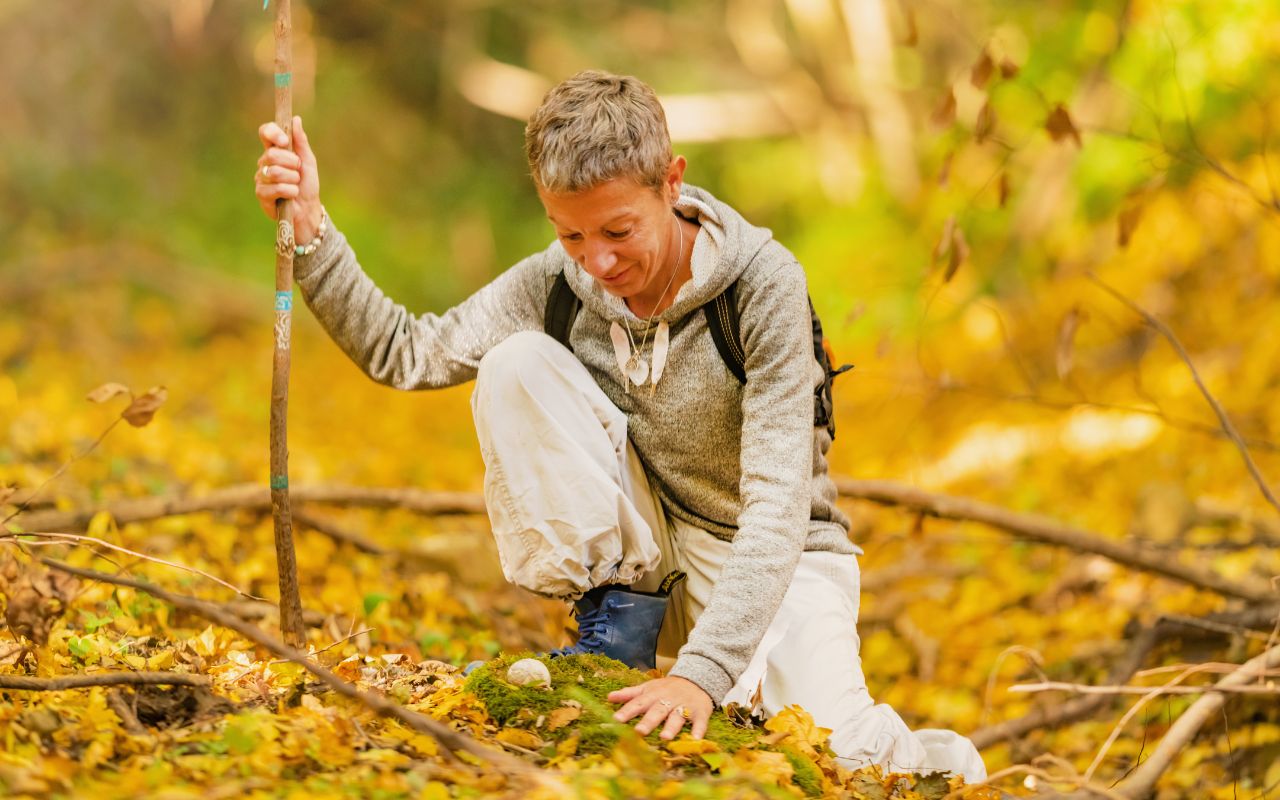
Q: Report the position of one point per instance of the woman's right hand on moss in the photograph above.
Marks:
(289, 174)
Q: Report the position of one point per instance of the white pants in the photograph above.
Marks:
(571, 508)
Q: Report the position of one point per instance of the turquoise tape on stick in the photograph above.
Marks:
(284, 301)
(279, 481)
(283, 79)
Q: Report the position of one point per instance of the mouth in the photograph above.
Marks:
(617, 278)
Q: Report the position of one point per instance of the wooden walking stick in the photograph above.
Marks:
(291, 625)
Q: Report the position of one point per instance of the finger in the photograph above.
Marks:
(675, 722)
(699, 726)
(282, 157)
(623, 695)
(637, 705)
(652, 718)
(301, 144)
(270, 174)
(272, 134)
(270, 192)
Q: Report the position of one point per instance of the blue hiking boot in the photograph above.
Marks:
(621, 623)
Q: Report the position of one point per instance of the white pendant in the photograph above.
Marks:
(637, 370)
(661, 343)
(621, 351)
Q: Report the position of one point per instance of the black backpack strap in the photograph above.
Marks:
(724, 325)
(823, 409)
(722, 320)
(562, 310)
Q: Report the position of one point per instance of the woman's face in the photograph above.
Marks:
(622, 233)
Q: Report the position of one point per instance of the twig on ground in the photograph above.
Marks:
(1223, 419)
(1072, 710)
(124, 710)
(75, 538)
(1048, 531)
(331, 645)
(254, 496)
(102, 679)
(1047, 777)
(1140, 783)
(446, 736)
(1150, 695)
(1084, 688)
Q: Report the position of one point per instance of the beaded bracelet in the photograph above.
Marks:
(311, 246)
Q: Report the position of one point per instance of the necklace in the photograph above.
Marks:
(631, 358)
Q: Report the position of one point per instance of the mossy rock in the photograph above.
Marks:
(586, 680)
(806, 774)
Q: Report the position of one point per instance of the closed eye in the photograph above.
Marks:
(618, 234)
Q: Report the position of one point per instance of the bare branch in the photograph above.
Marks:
(1225, 421)
(1049, 531)
(123, 709)
(73, 538)
(1141, 781)
(102, 679)
(1084, 688)
(1072, 710)
(257, 497)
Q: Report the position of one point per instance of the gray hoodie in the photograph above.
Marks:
(744, 463)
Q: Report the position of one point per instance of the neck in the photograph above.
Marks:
(661, 293)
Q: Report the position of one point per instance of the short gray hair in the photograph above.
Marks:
(595, 127)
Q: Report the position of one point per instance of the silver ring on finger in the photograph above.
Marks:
(666, 703)
(264, 171)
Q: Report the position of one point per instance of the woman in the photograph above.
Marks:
(635, 452)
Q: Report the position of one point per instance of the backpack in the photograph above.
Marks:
(723, 321)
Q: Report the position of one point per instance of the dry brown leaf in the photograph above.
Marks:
(1003, 189)
(986, 123)
(143, 408)
(1065, 356)
(562, 716)
(944, 174)
(982, 69)
(36, 598)
(520, 738)
(911, 37)
(1127, 223)
(945, 113)
(958, 253)
(1060, 126)
(1008, 69)
(943, 245)
(107, 391)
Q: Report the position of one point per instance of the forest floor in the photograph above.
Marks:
(954, 612)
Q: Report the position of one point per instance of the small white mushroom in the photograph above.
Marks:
(529, 672)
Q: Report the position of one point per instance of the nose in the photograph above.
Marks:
(598, 258)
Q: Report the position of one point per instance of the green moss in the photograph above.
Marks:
(587, 680)
(807, 775)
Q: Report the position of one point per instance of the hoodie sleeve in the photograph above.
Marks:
(777, 448)
(408, 351)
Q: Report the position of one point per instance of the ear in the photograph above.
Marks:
(675, 178)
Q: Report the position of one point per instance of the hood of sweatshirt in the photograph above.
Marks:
(725, 245)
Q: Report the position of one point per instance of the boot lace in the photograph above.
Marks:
(591, 629)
